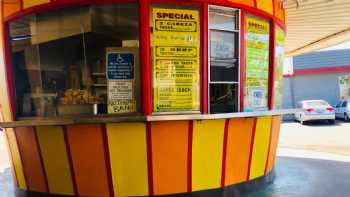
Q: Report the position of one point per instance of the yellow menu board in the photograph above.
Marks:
(279, 56)
(257, 39)
(176, 60)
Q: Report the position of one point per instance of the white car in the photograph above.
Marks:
(342, 110)
(314, 110)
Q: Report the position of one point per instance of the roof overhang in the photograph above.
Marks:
(316, 24)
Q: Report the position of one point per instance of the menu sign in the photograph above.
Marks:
(279, 59)
(120, 81)
(257, 33)
(176, 58)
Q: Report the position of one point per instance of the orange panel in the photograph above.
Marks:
(265, 5)
(275, 130)
(31, 159)
(11, 6)
(245, 2)
(279, 11)
(88, 159)
(169, 156)
(238, 150)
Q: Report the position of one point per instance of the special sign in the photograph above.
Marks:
(176, 57)
(257, 32)
(120, 76)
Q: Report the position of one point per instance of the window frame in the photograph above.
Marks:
(238, 31)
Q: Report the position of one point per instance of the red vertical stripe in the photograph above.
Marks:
(8, 69)
(31, 161)
(269, 149)
(272, 65)
(242, 62)
(149, 158)
(224, 152)
(69, 155)
(251, 148)
(256, 3)
(108, 160)
(145, 54)
(204, 59)
(41, 160)
(189, 164)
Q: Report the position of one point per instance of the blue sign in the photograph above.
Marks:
(120, 66)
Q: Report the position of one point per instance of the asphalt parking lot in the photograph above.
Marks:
(317, 136)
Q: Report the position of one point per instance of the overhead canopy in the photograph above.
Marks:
(316, 24)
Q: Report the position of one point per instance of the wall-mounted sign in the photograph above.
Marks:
(120, 66)
(176, 57)
(120, 81)
(257, 34)
(279, 60)
(344, 87)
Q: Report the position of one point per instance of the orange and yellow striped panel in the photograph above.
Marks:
(275, 130)
(55, 159)
(265, 5)
(170, 156)
(128, 155)
(31, 3)
(238, 150)
(33, 169)
(207, 151)
(16, 158)
(11, 6)
(88, 159)
(260, 147)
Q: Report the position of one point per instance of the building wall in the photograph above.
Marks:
(304, 87)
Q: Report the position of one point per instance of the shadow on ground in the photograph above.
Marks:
(299, 177)
(295, 177)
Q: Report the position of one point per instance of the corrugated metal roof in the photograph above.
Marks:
(324, 59)
(316, 24)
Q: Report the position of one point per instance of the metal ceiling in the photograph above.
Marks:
(316, 24)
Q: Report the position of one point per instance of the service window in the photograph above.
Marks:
(81, 60)
(175, 58)
(257, 46)
(223, 59)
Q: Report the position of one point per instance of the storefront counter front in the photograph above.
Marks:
(142, 98)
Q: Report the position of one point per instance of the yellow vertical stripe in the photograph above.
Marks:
(31, 3)
(16, 158)
(128, 155)
(265, 5)
(55, 159)
(260, 148)
(207, 150)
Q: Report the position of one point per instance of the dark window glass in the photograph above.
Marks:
(345, 103)
(223, 98)
(59, 60)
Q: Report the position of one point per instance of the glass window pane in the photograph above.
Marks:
(223, 19)
(59, 61)
(223, 98)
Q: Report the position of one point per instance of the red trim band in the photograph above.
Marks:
(322, 70)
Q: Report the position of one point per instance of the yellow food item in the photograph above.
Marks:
(76, 96)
